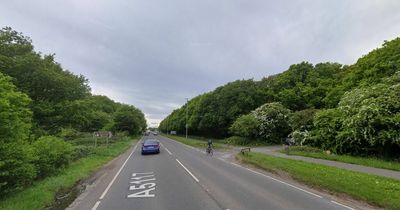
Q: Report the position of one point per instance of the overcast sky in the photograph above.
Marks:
(155, 53)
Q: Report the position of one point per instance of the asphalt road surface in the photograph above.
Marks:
(183, 178)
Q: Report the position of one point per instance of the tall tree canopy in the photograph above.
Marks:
(347, 109)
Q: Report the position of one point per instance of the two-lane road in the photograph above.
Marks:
(181, 177)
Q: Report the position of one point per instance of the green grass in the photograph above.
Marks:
(41, 193)
(376, 190)
(196, 142)
(366, 161)
(241, 141)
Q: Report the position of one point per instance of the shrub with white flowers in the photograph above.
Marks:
(273, 120)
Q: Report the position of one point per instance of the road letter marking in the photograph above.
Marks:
(143, 194)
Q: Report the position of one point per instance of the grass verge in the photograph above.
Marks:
(241, 141)
(42, 193)
(376, 190)
(366, 161)
(195, 142)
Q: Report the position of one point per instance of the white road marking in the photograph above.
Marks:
(194, 177)
(144, 188)
(134, 174)
(96, 205)
(140, 181)
(143, 194)
(141, 177)
(277, 180)
(116, 175)
(348, 207)
(168, 150)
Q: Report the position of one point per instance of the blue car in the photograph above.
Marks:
(150, 146)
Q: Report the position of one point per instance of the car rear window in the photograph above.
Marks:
(150, 142)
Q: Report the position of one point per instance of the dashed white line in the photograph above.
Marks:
(116, 175)
(256, 172)
(277, 180)
(348, 207)
(167, 150)
(187, 170)
(96, 205)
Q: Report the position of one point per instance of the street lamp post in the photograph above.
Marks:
(187, 104)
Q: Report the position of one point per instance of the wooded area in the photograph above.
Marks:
(42, 108)
(352, 109)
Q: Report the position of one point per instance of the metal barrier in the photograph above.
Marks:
(244, 150)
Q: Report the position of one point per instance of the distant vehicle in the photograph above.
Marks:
(150, 146)
(146, 133)
(155, 133)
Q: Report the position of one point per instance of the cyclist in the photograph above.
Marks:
(209, 148)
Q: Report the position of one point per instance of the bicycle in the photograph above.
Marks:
(210, 151)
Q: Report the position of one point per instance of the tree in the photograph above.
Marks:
(15, 121)
(129, 119)
(41, 78)
(15, 116)
(245, 126)
(274, 122)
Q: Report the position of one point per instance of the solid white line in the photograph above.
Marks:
(96, 205)
(167, 150)
(116, 175)
(348, 207)
(195, 178)
(277, 180)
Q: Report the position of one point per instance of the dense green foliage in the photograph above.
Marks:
(367, 121)
(346, 109)
(39, 100)
(14, 112)
(273, 121)
(130, 119)
(42, 193)
(246, 126)
(52, 154)
(16, 168)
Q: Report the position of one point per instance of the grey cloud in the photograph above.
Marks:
(154, 54)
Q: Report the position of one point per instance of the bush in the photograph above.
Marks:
(81, 151)
(15, 115)
(274, 122)
(245, 126)
(327, 124)
(53, 153)
(16, 168)
(366, 122)
(68, 133)
(302, 120)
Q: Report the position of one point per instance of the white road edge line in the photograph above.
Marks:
(96, 205)
(167, 150)
(116, 175)
(348, 207)
(277, 180)
(187, 170)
